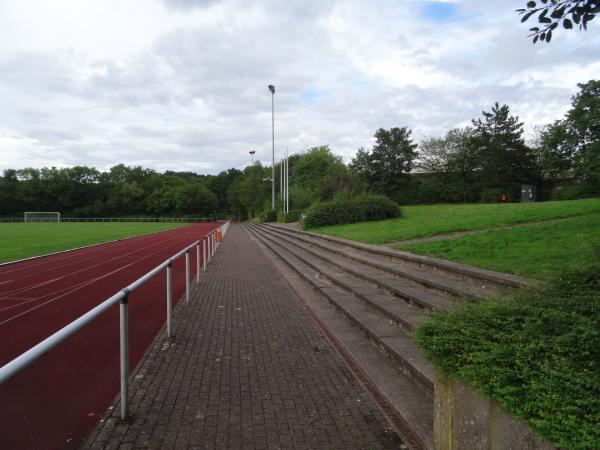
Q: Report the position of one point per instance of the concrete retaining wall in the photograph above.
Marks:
(465, 420)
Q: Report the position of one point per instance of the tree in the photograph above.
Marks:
(161, 201)
(361, 165)
(194, 199)
(250, 191)
(220, 184)
(571, 147)
(550, 13)
(391, 159)
(455, 161)
(10, 201)
(316, 171)
(503, 156)
(127, 198)
(556, 152)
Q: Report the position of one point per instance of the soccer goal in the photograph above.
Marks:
(44, 216)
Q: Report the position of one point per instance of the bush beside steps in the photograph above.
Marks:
(537, 354)
(362, 208)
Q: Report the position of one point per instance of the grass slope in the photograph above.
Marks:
(429, 220)
(22, 240)
(541, 251)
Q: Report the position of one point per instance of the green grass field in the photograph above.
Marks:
(541, 251)
(22, 240)
(429, 220)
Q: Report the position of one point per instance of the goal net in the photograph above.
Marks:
(44, 216)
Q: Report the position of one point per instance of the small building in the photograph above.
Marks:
(528, 193)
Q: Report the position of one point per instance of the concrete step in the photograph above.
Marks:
(502, 281)
(408, 313)
(443, 280)
(393, 340)
(408, 407)
(406, 289)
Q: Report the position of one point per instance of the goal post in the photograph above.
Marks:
(41, 216)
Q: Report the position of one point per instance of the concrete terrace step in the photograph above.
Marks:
(411, 407)
(453, 283)
(502, 280)
(393, 310)
(393, 340)
(363, 285)
(405, 289)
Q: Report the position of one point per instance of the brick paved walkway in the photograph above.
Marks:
(247, 369)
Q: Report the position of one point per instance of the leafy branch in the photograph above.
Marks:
(551, 13)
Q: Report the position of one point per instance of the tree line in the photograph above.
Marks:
(479, 162)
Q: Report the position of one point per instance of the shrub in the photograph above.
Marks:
(301, 198)
(575, 192)
(537, 354)
(269, 215)
(364, 207)
(292, 216)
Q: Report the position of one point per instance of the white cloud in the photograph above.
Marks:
(181, 84)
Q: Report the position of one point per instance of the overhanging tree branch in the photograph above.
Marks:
(551, 13)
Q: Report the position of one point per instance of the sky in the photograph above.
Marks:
(182, 84)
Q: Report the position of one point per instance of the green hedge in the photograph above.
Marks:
(537, 354)
(292, 216)
(361, 208)
(575, 192)
(269, 215)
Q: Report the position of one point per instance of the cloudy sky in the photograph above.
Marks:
(182, 84)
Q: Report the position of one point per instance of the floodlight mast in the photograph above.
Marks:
(287, 181)
(272, 91)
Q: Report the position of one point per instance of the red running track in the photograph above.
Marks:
(58, 400)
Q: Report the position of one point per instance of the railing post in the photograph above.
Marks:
(204, 252)
(169, 297)
(124, 344)
(187, 276)
(209, 248)
(198, 262)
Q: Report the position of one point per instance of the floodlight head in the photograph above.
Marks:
(272, 89)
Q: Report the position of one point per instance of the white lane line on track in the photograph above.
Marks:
(82, 285)
(72, 290)
(28, 288)
(66, 254)
(69, 258)
(98, 244)
(25, 289)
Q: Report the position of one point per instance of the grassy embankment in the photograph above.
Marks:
(538, 353)
(540, 251)
(537, 250)
(22, 240)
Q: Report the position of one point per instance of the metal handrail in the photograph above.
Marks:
(116, 219)
(25, 359)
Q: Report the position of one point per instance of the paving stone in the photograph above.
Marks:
(247, 369)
